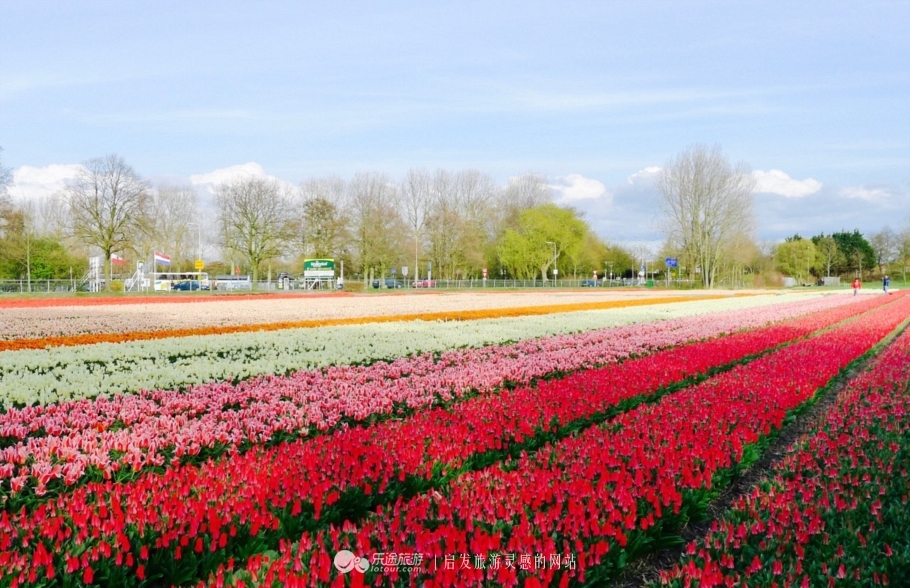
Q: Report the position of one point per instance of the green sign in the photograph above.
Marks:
(318, 268)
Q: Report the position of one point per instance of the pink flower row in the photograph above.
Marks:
(587, 496)
(199, 509)
(65, 441)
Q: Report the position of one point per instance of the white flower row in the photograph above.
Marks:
(67, 373)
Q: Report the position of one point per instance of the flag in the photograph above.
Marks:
(117, 260)
(162, 259)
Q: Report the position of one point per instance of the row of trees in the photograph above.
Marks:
(709, 219)
(845, 254)
(459, 222)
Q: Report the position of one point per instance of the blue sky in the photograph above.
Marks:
(813, 96)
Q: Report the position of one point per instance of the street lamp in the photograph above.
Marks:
(610, 263)
(555, 271)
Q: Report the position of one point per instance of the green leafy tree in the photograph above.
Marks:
(544, 236)
(797, 258)
(858, 254)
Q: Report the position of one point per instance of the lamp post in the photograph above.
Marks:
(611, 271)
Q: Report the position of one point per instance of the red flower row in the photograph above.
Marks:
(825, 514)
(594, 496)
(190, 512)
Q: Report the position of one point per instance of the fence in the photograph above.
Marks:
(63, 286)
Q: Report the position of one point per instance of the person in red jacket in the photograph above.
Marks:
(856, 285)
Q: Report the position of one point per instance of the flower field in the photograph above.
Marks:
(533, 449)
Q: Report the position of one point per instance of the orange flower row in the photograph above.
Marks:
(157, 299)
(458, 315)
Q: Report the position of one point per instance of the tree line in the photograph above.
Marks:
(457, 222)
(460, 223)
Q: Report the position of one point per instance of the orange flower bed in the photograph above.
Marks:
(164, 298)
(464, 315)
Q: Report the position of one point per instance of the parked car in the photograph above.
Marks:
(424, 284)
(188, 285)
(588, 283)
(376, 284)
(390, 283)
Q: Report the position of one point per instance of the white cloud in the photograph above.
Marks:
(233, 173)
(644, 176)
(777, 182)
(574, 187)
(39, 182)
(867, 194)
(229, 174)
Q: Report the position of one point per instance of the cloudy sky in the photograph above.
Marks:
(813, 96)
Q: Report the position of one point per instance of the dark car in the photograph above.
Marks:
(187, 285)
(390, 283)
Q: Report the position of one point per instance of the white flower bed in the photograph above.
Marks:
(65, 373)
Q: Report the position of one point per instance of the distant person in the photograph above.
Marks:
(856, 286)
(886, 281)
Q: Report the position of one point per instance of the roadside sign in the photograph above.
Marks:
(318, 268)
(404, 270)
(199, 264)
(672, 262)
(393, 271)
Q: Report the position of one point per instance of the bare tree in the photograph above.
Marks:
(444, 224)
(521, 193)
(320, 226)
(174, 224)
(416, 197)
(6, 178)
(376, 227)
(108, 205)
(885, 244)
(254, 219)
(706, 203)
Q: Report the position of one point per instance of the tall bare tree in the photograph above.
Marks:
(254, 219)
(108, 205)
(885, 244)
(376, 226)
(706, 203)
(6, 178)
(416, 199)
(175, 225)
